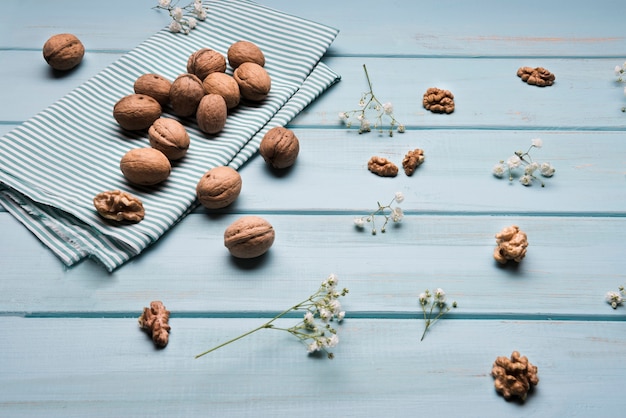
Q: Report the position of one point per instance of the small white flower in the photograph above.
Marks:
(399, 197)
(177, 14)
(197, 6)
(498, 170)
(192, 22)
(175, 26)
(423, 298)
(365, 126)
(341, 315)
(335, 306)
(166, 3)
(397, 214)
(332, 280)
(325, 314)
(359, 222)
(531, 168)
(314, 346)
(440, 295)
(537, 142)
(618, 70)
(514, 161)
(614, 299)
(526, 180)
(309, 319)
(343, 115)
(547, 170)
(401, 128)
(388, 108)
(201, 15)
(332, 341)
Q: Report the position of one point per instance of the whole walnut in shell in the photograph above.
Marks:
(382, 167)
(155, 86)
(249, 237)
(279, 147)
(63, 51)
(145, 166)
(185, 95)
(211, 114)
(245, 51)
(512, 243)
(136, 112)
(254, 82)
(170, 137)
(119, 206)
(224, 85)
(514, 377)
(206, 61)
(218, 187)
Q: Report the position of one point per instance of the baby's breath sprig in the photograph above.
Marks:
(181, 22)
(523, 160)
(369, 102)
(314, 330)
(614, 298)
(619, 73)
(431, 301)
(394, 214)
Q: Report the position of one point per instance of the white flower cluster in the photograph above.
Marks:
(394, 214)
(431, 301)
(314, 330)
(615, 298)
(523, 161)
(619, 73)
(180, 21)
(369, 103)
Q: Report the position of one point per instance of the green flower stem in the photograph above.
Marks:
(268, 324)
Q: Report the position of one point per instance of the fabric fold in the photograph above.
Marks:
(53, 165)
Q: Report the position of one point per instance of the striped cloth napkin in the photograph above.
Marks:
(53, 165)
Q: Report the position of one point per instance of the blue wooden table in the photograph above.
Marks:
(71, 345)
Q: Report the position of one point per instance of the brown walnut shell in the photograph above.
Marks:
(212, 113)
(245, 51)
(254, 82)
(279, 147)
(63, 51)
(155, 86)
(204, 62)
(224, 85)
(218, 187)
(249, 237)
(145, 166)
(185, 94)
(119, 206)
(170, 137)
(136, 111)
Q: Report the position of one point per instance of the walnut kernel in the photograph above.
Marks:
(218, 187)
(155, 321)
(136, 111)
(254, 82)
(279, 147)
(514, 377)
(538, 76)
(438, 101)
(119, 206)
(245, 51)
(145, 166)
(63, 51)
(382, 167)
(249, 237)
(412, 160)
(511, 245)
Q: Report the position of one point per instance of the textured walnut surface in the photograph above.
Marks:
(515, 376)
(538, 76)
(119, 206)
(382, 167)
(511, 245)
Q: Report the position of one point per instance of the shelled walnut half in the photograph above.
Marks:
(438, 100)
(538, 76)
(119, 206)
(511, 245)
(382, 167)
(412, 160)
(514, 377)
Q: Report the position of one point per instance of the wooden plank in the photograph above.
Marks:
(108, 367)
(571, 263)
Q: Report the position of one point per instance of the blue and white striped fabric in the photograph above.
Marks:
(53, 165)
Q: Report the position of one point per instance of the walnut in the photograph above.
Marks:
(538, 76)
(438, 100)
(512, 243)
(224, 85)
(155, 321)
(136, 111)
(279, 147)
(119, 206)
(145, 166)
(63, 51)
(211, 114)
(170, 137)
(254, 82)
(244, 51)
(185, 94)
(155, 86)
(218, 187)
(412, 160)
(382, 166)
(514, 377)
(204, 62)
(249, 237)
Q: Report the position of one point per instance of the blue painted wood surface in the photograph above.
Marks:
(71, 345)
